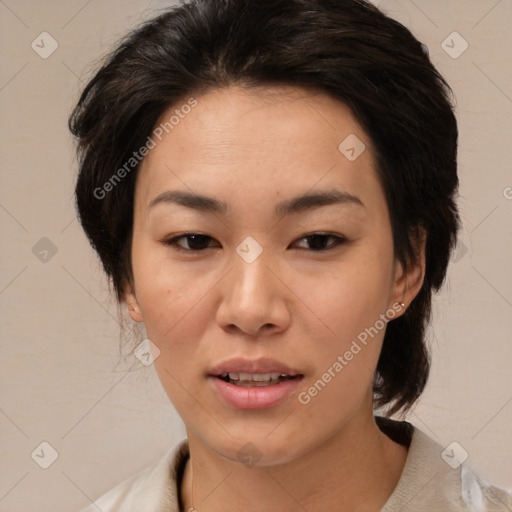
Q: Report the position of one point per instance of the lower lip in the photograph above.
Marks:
(255, 397)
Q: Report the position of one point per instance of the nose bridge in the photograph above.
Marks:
(252, 277)
(252, 297)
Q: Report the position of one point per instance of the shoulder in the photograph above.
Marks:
(153, 489)
(429, 482)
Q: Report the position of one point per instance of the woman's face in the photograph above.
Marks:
(276, 283)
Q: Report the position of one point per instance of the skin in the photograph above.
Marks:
(253, 148)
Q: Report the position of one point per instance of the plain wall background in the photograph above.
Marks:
(63, 380)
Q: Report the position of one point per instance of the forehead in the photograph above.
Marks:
(273, 141)
(235, 119)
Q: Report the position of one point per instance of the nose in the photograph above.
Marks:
(255, 299)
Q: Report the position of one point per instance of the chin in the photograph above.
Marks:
(260, 449)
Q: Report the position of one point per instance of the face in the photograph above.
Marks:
(270, 282)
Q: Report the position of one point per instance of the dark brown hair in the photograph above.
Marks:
(347, 49)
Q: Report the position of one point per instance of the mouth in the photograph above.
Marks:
(246, 391)
(246, 384)
(256, 379)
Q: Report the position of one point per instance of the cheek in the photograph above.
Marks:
(165, 293)
(174, 316)
(350, 296)
(344, 363)
(351, 304)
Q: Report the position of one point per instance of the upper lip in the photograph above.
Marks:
(262, 365)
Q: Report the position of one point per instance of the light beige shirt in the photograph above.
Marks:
(427, 483)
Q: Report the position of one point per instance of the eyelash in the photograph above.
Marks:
(173, 242)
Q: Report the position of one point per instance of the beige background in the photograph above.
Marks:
(62, 378)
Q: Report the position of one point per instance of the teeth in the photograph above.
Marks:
(256, 377)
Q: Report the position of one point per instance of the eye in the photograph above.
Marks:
(318, 241)
(195, 241)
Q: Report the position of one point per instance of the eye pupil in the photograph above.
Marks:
(317, 238)
(198, 241)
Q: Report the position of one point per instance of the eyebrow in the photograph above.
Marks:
(291, 206)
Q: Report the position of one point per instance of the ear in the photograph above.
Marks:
(133, 305)
(408, 279)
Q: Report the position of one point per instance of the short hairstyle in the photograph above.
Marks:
(347, 49)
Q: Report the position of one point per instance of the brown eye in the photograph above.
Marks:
(195, 242)
(318, 241)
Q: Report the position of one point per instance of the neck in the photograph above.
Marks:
(356, 470)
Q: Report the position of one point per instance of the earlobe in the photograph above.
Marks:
(133, 305)
(409, 279)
